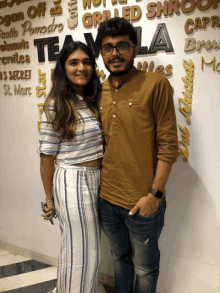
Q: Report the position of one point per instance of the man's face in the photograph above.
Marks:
(119, 64)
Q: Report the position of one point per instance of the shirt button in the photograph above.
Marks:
(100, 108)
(130, 104)
(116, 90)
(114, 116)
(114, 102)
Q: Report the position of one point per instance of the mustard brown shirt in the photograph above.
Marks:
(139, 126)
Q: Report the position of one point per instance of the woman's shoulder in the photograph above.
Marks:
(49, 105)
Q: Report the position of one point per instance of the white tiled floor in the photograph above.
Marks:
(26, 279)
(3, 252)
(8, 259)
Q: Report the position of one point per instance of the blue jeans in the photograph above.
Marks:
(134, 246)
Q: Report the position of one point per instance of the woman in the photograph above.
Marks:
(71, 135)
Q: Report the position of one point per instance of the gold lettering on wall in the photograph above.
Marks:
(33, 11)
(167, 71)
(128, 12)
(213, 63)
(119, 1)
(8, 19)
(20, 75)
(57, 9)
(201, 23)
(16, 75)
(100, 73)
(19, 90)
(14, 46)
(26, 26)
(16, 58)
(13, 33)
(7, 90)
(73, 20)
(87, 3)
(183, 148)
(185, 107)
(188, 80)
(5, 3)
(40, 109)
(156, 9)
(3, 75)
(96, 3)
(191, 44)
(40, 91)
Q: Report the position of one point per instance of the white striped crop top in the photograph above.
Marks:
(87, 144)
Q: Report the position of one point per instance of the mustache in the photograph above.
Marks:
(116, 59)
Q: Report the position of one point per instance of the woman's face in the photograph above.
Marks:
(78, 69)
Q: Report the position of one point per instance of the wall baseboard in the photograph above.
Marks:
(29, 253)
(103, 278)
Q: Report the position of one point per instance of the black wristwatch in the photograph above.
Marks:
(157, 193)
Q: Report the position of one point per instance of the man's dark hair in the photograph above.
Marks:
(116, 26)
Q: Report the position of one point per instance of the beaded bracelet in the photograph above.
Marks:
(49, 200)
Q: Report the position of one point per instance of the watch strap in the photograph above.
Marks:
(157, 193)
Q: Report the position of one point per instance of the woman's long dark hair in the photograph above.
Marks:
(64, 96)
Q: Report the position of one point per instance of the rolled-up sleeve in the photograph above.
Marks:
(49, 139)
(166, 129)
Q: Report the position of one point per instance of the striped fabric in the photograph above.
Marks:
(87, 144)
(75, 191)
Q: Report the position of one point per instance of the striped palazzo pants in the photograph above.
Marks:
(75, 191)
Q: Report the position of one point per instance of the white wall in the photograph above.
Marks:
(189, 243)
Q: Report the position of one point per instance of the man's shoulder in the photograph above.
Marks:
(151, 77)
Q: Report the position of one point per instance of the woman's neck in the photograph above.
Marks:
(79, 91)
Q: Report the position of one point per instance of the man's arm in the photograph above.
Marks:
(162, 174)
(167, 145)
(148, 205)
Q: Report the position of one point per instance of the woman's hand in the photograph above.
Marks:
(50, 209)
(47, 171)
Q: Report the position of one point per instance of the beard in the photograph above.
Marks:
(120, 72)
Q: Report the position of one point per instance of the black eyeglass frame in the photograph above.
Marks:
(116, 47)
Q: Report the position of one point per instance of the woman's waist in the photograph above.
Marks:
(90, 164)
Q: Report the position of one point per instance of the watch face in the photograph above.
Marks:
(156, 193)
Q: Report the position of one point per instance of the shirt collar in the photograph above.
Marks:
(124, 78)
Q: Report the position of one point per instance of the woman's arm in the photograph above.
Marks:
(46, 171)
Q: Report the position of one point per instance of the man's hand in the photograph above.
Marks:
(146, 206)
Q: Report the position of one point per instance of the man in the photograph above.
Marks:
(139, 125)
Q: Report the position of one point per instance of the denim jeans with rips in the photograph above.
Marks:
(134, 246)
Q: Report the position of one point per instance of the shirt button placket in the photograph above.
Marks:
(114, 115)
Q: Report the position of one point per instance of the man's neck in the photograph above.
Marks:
(117, 81)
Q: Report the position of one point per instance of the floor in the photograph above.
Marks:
(20, 274)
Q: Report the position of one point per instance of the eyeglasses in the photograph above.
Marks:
(122, 48)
